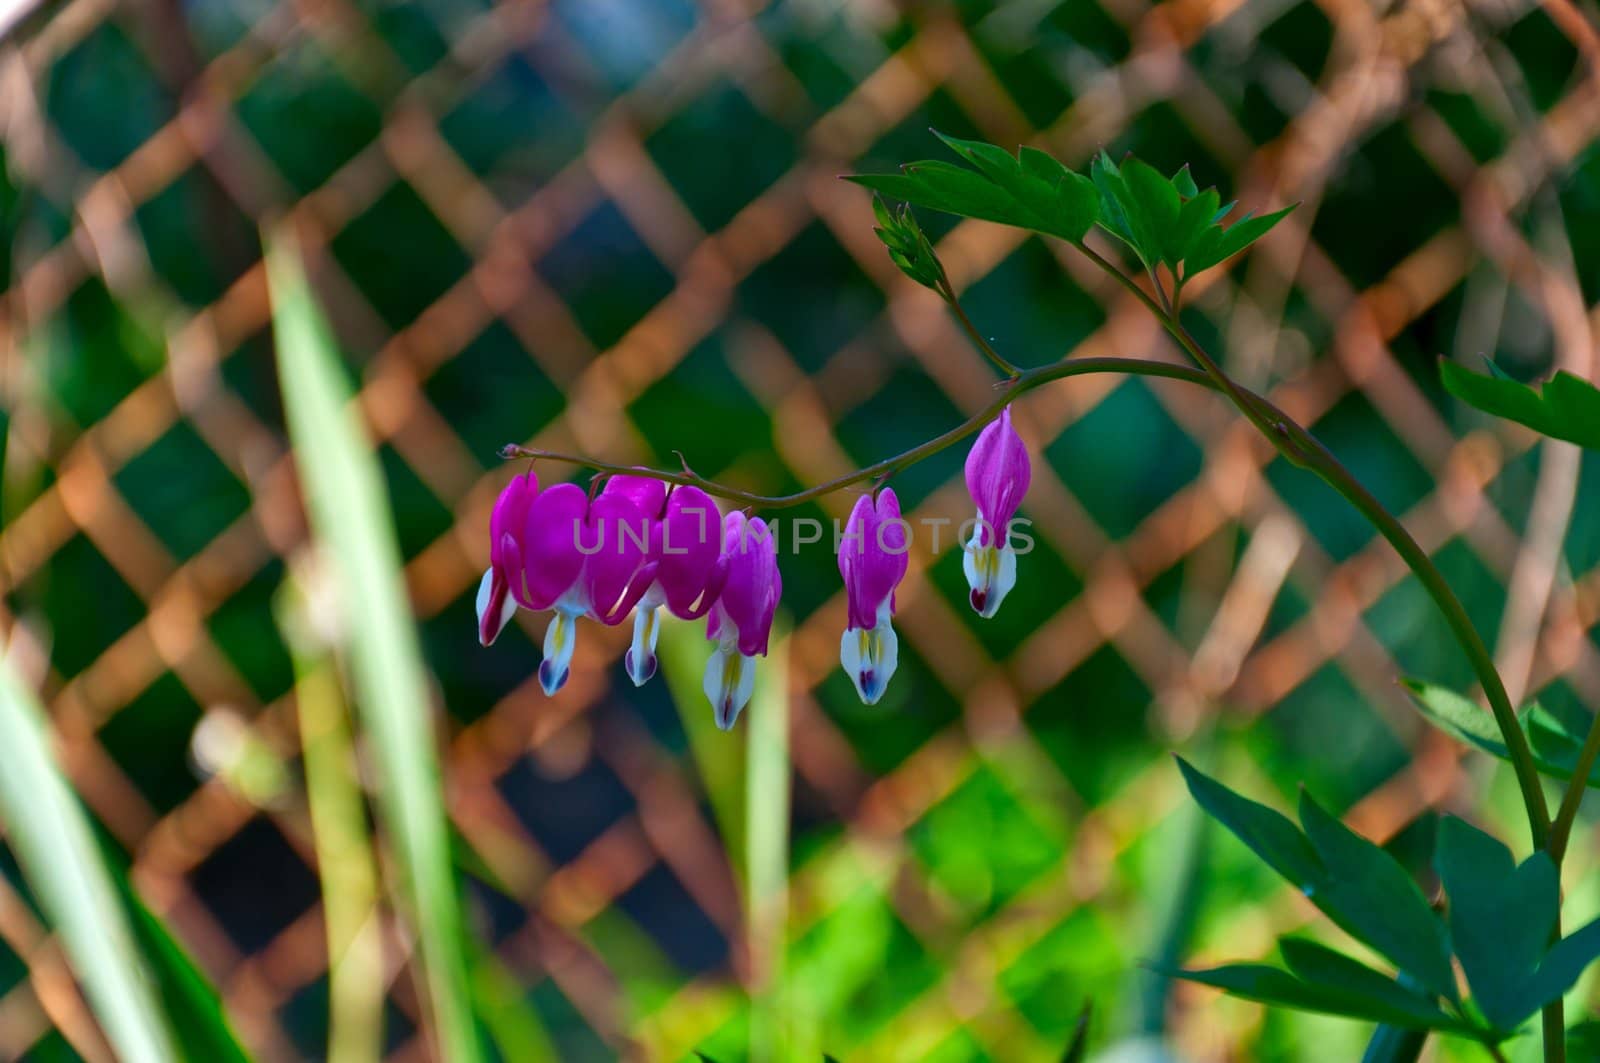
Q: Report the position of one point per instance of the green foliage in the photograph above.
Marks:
(349, 512)
(909, 247)
(1565, 407)
(1165, 220)
(1501, 915)
(1169, 220)
(1500, 920)
(55, 845)
(1078, 1048)
(1554, 742)
(1030, 190)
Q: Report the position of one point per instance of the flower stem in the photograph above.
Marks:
(1001, 362)
(1302, 448)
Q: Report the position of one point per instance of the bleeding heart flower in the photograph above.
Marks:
(998, 471)
(685, 547)
(497, 602)
(741, 620)
(872, 560)
(560, 550)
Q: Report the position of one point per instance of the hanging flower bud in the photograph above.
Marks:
(872, 560)
(496, 601)
(998, 471)
(741, 620)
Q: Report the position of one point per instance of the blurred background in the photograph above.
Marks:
(615, 226)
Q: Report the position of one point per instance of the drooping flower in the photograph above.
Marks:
(560, 549)
(998, 471)
(741, 620)
(497, 602)
(872, 560)
(685, 546)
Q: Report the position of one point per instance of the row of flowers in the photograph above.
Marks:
(636, 547)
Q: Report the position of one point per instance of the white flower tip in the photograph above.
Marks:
(496, 607)
(991, 573)
(730, 680)
(870, 656)
(641, 667)
(552, 676)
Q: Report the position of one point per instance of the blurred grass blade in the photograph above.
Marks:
(349, 516)
(766, 817)
(503, 1006)
(202, 1032)
(56, 848)
(346, 865)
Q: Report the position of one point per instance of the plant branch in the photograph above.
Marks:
(1001, 362)
(1302, 448)
(1025, 381)
(1567, 814)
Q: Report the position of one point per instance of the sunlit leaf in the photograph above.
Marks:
(1565, 407)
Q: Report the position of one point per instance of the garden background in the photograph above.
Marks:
(616, 226)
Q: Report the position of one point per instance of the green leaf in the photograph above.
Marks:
(1078, 1048)
(55, 845)
(1269, 834)
(203, 1035)
(1321, 966)
(1269, 985)
(1562, 966)
(1500, 916)
(1566, 407)
(1152, 207)
(1031, 190)
(1555, 745)
(1183, 181)
(350, 519)
(1218, 244)
(1370, 895)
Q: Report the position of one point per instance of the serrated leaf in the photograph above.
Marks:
(1566, 407)
(1269, 985)
(1194, 218)
(1152, 207)
(1031, 190)
(1269, 834)
(1500, 916)
(1218, 244)
(1370, 895)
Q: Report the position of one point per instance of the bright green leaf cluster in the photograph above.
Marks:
(1168, 220)
(908, 245)
(1554, 742)
(1164, 220)
(1030, 190)
(1566, 407)
(1501, 916)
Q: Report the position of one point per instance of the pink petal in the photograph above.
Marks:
(550, 538)
(646, 492)
(998, 472)
(689, 547)
(618, 568)
(510, 512)
(872, 556)
(753, 586)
